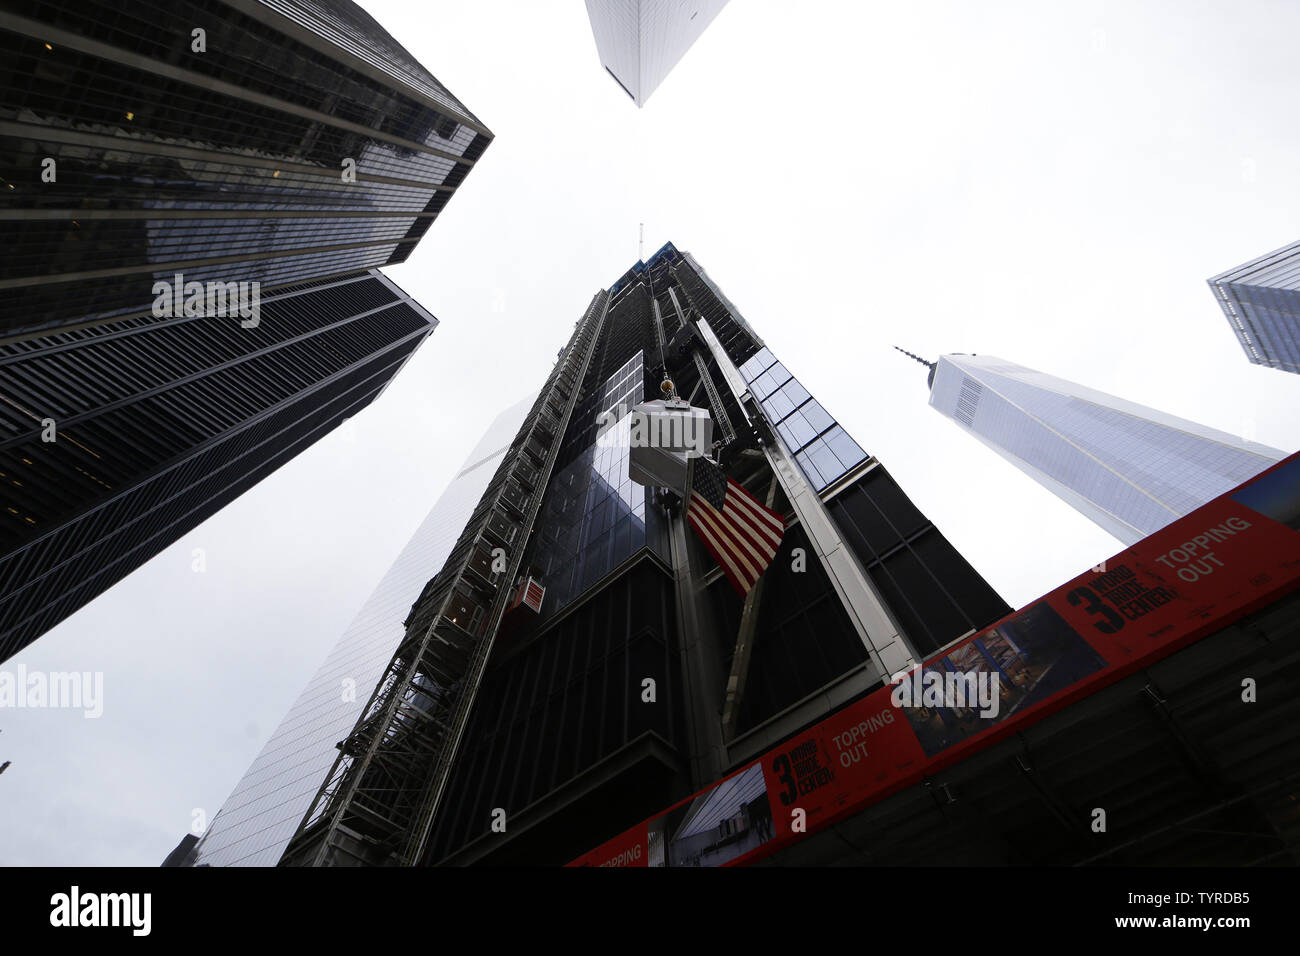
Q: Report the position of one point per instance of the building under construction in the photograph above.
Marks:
(581, 660)
(1141, 714)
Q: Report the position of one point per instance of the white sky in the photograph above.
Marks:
(1050, 183)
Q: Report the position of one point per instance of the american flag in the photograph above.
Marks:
(739, 531)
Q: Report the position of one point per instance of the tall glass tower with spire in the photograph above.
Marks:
(1129, 468)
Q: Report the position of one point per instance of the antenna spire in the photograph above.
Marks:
(929, 365)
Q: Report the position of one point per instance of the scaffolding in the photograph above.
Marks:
(379, 801)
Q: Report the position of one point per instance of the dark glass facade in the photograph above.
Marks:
(159, 423)
(555, 729)
(594, 517)
(230, 163)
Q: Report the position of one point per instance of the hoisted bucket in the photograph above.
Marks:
(662, 436)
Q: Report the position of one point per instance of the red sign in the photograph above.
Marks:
(1227, 559)
(529, 594)
(533, 594)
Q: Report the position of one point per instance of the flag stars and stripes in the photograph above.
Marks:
(741, 533)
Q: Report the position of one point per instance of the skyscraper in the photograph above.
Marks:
(640, 41)
(266, 805)
(118, 439)
(275, 141)
(1262, 302)
(195, 196)
(1129, 468)
(581, 657)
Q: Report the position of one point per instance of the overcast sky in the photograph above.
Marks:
(1049, 183)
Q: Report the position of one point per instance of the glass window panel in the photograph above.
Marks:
(816, 416)
(846, 449)
(778, 406)
(795, 392)
(810, 469)
(796, 431)
(763, 386)
(760, 361)
(825, 461)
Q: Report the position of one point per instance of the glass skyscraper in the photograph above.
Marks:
(275, 141)
(640, 41)
(1262, 302)
(194, 195)
(1129, 468)
(266, 805)
(542, 713)
(117, 440)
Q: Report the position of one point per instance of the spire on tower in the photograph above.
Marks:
(929, 365)
(932, 366)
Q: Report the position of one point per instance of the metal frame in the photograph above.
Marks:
(378, 803)
(886, 646)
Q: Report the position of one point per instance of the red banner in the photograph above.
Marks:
(1233, 556)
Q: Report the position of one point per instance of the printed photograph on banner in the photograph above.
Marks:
(716, 827)
(1276, 495)
(655, 850)
(980, 684)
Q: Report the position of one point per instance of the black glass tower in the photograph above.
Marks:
(117, 440)
(508, 733)
(194, 195)
(275, 141)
